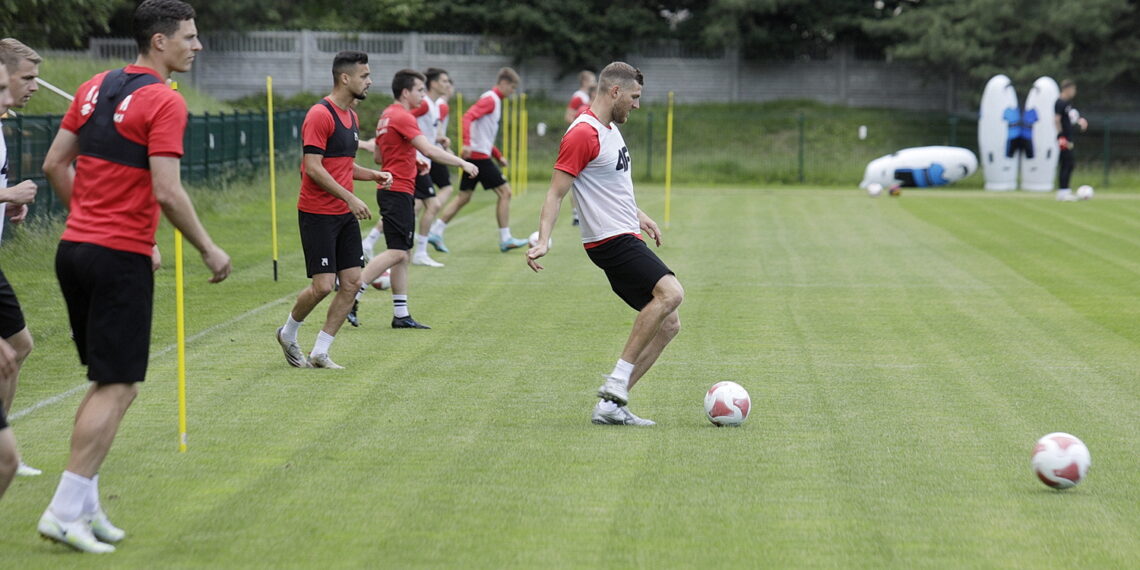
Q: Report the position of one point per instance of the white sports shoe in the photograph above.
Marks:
(1066, 195)
(425, 259)
(620, 416)
(25, 470)
(614, 390)
(76, 534)
(323, 361)
(293, 354)
(102, 528)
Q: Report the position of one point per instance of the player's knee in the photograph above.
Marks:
(669, 292)
(22, 343)
(504, 191)
(671, 326)
(322, 288)
(351, 284)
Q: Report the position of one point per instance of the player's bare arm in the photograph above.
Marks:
(165, 175)
(441, 156)
(317, 172)
(384, 179)
(649, 227)
(58, 164)
(560, 184)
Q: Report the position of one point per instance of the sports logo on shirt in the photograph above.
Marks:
(623, 159)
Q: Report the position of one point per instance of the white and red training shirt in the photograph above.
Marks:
(441, 130)
(481, 125)
(578, 99)
(427, 117)
(598, 159)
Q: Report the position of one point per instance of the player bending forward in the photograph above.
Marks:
(594, 160)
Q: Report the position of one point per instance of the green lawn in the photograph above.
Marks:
(902, 355)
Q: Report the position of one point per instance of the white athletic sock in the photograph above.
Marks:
(360, 293)
(400, 306)
(622, 370)
(289, 331)
(438, 226)
(421, 244)
(504, 234)
(607, 406)
(67, 504)
(91, 501)
(371, 239)
(324, 341)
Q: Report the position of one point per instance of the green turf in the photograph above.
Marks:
(902, 356)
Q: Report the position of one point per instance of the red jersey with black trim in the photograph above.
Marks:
(113, 205)
(318, 133)
(394, 134)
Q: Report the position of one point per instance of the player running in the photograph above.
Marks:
(480, 127)
(594, 161)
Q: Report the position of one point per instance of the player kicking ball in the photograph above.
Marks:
(593, 160)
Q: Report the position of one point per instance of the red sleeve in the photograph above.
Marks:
(405, 125)
(421, 110)
(496, 153)
(80, 109)
(576, 101)
(578, 148)
(167, 123)
(484, 106)
(443, 109)
(316, 129)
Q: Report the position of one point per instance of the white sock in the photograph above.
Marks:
(622, 370)
(438, 226)
(67, 504)
(504, 234)
(360, 293)
(371, 239)
(607, 406)
(324, 341)
(289, 331)
(91, 501)
(421, 244)
(400, 306)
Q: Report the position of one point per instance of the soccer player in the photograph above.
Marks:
(594, 160)
(586, 81)
(428, 118)
(1065, 116)
(328, 210)
(22, 66)
(480, 127)
(124, 132)
(398, 137)
(440, 173)
(9, 364)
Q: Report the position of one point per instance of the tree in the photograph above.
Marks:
(56, 23)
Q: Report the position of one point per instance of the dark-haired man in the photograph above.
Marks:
(398, 137)
(328, 210)
(124, 133)
(594, 160)
(1065, 116)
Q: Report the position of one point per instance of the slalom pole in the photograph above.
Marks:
(517, 111)
(180, 329)
(524, 151)
(459, 131)
(669, 160)
(272, 175)
(507, 155)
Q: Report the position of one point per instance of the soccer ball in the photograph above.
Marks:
(727, 404)
(874, 189)
(1061, 460)
(1085, 192)
(384, 281)
(533, 239)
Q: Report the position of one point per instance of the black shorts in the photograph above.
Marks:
(440, 175)
(633, 270)
(110, 298)
(1019, 144)
(489, 175)
(398, 210)
(11, 317)
(331, 242)
(424, 189)
(3, 420)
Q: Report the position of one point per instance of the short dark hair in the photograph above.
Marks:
(619, 73)
(405, 79)
(345, 61)
(1067, 83)
(158, 17)
(432, 74)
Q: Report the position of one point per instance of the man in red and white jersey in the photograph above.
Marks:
(480, 127)
(441, 174)
(587, 81)
(398, 138)
(328, 210)
(594, 160)
(124, 132)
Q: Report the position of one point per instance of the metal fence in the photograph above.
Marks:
(218, 148)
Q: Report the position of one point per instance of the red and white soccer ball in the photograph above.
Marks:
(533, 240)
(1061, 460)
(727, 404)
(384, 281)
(1085, 192)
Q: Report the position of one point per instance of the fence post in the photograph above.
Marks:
(1107, 149)
(801, 122)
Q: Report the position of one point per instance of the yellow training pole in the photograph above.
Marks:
(668, 159)
(524, 165)
(457, 118)
(515, 120)
(506, 112)
(180, 325)
(272, 175)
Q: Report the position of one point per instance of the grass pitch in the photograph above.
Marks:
(903, 355)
